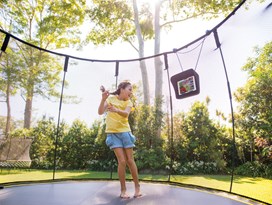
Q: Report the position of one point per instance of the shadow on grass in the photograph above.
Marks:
(220, 178)
(236, 179)
(14, 171)
(106, 175)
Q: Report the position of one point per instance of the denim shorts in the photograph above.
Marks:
(123, 139)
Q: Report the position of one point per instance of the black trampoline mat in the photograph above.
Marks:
(107, 192)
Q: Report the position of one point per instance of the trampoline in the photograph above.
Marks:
(106, 192)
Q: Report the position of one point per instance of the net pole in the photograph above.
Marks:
(231, 106)
(171, 116)
(58, 126)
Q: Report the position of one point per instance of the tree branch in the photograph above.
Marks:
(190, 17)
(23, 97)
(133, 46)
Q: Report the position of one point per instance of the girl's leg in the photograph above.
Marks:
(133, 170)
(121, 158)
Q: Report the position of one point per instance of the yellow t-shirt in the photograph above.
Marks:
(116, 123)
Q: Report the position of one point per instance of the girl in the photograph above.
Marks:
(119, 136)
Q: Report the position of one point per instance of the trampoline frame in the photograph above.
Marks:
(221, 193)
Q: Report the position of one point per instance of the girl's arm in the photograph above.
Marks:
(124, 113)
(103, 103)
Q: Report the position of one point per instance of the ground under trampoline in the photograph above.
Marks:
(106, 192)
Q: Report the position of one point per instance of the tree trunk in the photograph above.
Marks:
(157, 60)
(141, 55)
(7, 131)
(145, 83)
(28, 110)
(158, 68)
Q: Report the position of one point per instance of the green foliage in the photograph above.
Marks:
(10, 71)
(21, 133)
(153, 160)
(199, 144)
(85, 148)
(147, 136)
(77, 146)
(202, 142)
(101, 151)
(116, 20)
(198, 167)
(150, 152)
(176, 147)
(102, 165)
(43, 145)
(112, 19)
(231, 153)
(49, 25)
(255, 109)
(14, 124)
(268, 171)
(254, 169)
(10, 77)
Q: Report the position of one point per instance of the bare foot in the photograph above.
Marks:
(137, 192)
(124, 196)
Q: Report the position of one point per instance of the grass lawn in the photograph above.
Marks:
(256, 188)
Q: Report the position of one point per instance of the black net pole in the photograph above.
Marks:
(116, 84)
(116, 73)
(3, 49)
(171, 117)
(231, 106)
(58, 126)
(5, 43)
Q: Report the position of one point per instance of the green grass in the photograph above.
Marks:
(256, 188)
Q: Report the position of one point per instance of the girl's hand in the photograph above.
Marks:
(105, 95)
(102, 88)
(111, 108)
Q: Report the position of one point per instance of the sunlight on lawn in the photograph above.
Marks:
(257, 188)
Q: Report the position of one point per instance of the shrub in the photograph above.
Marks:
(252, 169)
(196, 167)
(105, 165)
(152, 159)
(268, 171)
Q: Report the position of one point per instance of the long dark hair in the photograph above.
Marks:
(122, 85)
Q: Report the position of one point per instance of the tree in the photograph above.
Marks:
(49, 25)
(9, 70)
(255, 100)
(120, 19)
(42, 148)
(177, 148)
(9, 82)
(77, 147)
(202, 136)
